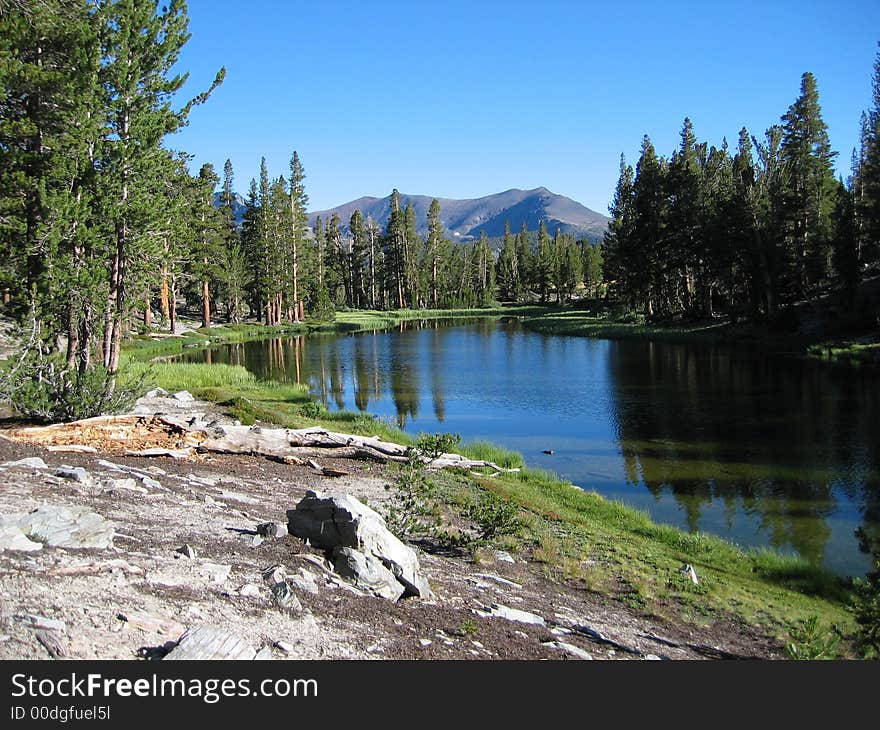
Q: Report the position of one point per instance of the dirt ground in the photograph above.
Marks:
(135, 599)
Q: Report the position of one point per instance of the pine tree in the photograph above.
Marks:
(648, 280)
(433, 251)
(360, 253)
(868, 201)
(140, 46)
(618, 241)
(544, 262)
(809, 190)
(509, 285)
(299, 223)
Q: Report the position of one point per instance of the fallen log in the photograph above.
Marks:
(136, 435)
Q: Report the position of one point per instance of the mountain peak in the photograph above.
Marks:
(467, 219)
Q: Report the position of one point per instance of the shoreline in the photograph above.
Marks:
(788, 586)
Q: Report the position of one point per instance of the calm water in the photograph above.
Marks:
(760, 450)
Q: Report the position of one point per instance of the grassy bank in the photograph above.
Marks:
(577, 535)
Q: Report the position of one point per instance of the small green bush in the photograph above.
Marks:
(809, 640)
(866, 599)
(44, 390)
(494, 516)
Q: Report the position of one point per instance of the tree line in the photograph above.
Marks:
(96, 217)
(749, 230)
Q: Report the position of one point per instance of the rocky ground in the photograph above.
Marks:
(185, 553)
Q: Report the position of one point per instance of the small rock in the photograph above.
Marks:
(498, 610)
(274, 574)
(249, 589)
(74, 473)
(183, 396)
(256, 541)
(157, 393)
(570, 649)
(128, 484)
(216, 572)
(31, 462)
(34, 621)
(284, 647)
(272, 529)
(425, 642)
(498, 579)
(652, 658)
(304, 581)
(51, 641)
(187, 551)
(284, 596)
(504, 557)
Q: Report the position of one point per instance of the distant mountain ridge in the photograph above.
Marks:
(466, 219)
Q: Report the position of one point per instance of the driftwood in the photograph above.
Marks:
(160, 436)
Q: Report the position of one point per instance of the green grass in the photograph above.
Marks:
(624, 547)
(487, 451)
(856, 353)
(621, 326)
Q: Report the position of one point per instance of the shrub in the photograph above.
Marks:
(494, 516)
(866, 599)
(433, 446)
(809, 640)
(43, 389)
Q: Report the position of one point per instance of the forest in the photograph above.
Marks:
(105, 231)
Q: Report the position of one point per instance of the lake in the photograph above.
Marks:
(759, 449)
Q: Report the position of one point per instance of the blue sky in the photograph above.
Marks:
(464, 99)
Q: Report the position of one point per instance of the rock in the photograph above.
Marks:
(128, 484)
(499, 610)
(12, 538)
(216, 572)
(272, 529)
(210, 642)
(184, 396)
(504, 557)
(425, 642)
(31, 462)
(249, 589)
(34, 621)
(305, 581)
(498, 579)
(570, 649)
(67, 527)
(157, 393)
(548, 451)
(688, 570)
(284, 596)
(331, 521)
(150, 623)
(367, 573)
(51, 641)
(653, 658)
(274, 574)
(187, 551)
(284, 647)
(74, 473)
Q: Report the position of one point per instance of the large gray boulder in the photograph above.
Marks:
(333, 521)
